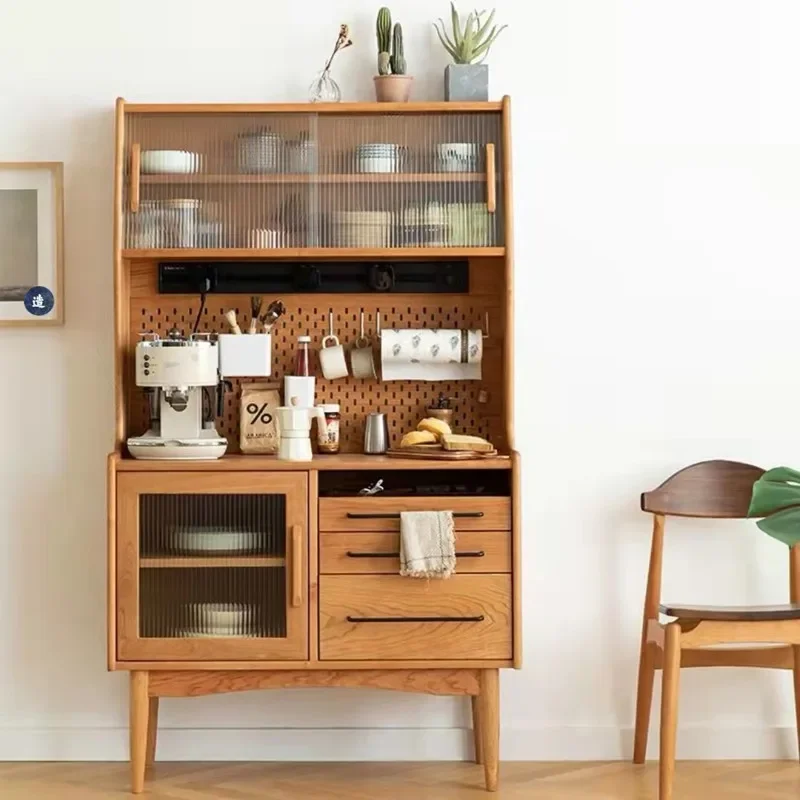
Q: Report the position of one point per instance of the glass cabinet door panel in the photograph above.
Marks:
(219, 181)
(410, 180)
(214, 569)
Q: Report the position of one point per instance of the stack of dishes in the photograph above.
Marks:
(219, 619)
(457, 157)
(469, 225)
(422, 226)
(363, 228)
(261, 151)
(201, 540)
(169, 162)
(378, 157)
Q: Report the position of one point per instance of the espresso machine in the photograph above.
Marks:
(180, 376)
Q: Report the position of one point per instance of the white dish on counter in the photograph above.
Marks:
(174, 162)
(208, 540)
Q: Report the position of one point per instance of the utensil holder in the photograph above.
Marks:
(245, 355)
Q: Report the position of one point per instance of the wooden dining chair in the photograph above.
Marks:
(718, 490)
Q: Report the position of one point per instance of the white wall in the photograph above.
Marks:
(657, 174)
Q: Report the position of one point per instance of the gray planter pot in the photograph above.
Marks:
(466, 82)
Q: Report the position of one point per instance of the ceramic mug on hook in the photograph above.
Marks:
(331, 358)
(363, 359)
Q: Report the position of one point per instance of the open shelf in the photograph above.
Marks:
(359, 177)
(171, 562)
(319, 252)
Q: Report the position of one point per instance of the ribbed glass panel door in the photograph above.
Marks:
(410, 180)
(220, 181)
(212, 567)
(288, 181)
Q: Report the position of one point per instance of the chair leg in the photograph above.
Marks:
(152, 731)
(489, 715)
(476, 729)
(644, 700)
(796, 651)
(139, 713)
(669, 709)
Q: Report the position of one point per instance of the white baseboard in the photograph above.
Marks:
(386, 744)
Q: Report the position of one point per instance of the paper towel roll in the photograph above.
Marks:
(431, 354)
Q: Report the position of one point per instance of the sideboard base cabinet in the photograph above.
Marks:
(250, 573)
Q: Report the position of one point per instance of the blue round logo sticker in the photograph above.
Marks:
(39, 301)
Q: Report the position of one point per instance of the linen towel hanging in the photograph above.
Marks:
(427, 544)
(431, 354)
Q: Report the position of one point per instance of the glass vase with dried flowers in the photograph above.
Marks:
(324, 89)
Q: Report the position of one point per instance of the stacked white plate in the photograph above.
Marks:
(363, 228)
(207, 620)
(171, 162)
(200, 540)
(260, 152)
(377, 157)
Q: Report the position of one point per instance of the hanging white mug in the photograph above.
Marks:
(331, 358)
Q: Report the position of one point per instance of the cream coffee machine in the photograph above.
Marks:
(180, 376)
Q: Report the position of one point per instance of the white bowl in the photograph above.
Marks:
(376, 164)
(209, 540)
(169, 161)
(457, 149)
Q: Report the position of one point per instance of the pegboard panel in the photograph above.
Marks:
(403, 401)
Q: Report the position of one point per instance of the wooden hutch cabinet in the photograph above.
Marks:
(309, 593)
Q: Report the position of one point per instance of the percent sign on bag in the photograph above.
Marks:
(258, 413)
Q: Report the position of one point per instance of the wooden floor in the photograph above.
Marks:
(719, 780)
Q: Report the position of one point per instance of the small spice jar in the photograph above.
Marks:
(328, 442)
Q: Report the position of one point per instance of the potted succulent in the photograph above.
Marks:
(468, 77)
(392, 85)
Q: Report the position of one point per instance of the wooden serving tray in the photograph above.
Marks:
(441, 455)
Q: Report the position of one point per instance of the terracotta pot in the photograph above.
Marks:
(393, 88)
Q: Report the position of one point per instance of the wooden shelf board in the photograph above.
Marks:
(171, 562)
(312, 109)
(343, 461)
(318, 252)
(333, 178)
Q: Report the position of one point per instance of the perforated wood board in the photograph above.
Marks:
(403, 401)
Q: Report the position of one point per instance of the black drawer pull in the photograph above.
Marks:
(396, 515)
(465, 554)
(479, 618)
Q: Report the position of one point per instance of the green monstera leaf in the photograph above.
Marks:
(783, 525)
(776, 498)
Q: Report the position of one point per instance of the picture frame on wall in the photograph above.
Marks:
(31, 243)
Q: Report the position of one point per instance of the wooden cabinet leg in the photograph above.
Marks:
(669, 709)
(152, 731)
(489, 716)
(476, 729)
(139, 714)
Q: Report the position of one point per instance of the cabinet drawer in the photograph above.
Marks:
(383, 513)
(388, 617)
(476, 551)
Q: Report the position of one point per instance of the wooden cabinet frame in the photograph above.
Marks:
(184, 668)
(132, 647)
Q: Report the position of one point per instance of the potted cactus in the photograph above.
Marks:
(392, 85)
(468, 77)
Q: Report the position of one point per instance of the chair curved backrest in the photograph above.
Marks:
(714, 489)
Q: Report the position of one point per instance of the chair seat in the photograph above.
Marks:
(734, 613)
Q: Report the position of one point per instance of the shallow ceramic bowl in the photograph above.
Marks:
(180, 162)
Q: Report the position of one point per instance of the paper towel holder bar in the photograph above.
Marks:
(484, 332)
